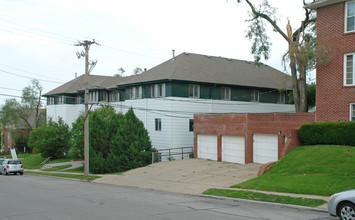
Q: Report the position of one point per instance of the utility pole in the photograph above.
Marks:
(86, 44)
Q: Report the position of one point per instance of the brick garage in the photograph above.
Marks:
(333, 97)
(283, 126)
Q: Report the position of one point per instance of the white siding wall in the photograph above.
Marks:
(69, 113)
(174, 114)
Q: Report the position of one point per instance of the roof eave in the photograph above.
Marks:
(322, 3)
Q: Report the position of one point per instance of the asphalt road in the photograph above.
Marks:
(41, 197)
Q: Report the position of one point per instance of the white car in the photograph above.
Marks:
(342, 205)
(11, 166)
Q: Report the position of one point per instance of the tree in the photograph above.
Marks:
(28, 110)
(137, 71)
(120, 72)
(301, 53)
(132, 143)
(117, 142)
(51, 139)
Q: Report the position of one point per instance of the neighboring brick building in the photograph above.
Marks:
(336, 80)
(262, 138)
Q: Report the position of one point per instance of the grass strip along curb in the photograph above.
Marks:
(265, 197)
(65, 175)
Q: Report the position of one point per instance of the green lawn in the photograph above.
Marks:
(265, 197)
(317, 170)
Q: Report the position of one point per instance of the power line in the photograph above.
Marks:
(27, 77)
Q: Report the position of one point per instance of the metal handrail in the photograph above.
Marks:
(169, 153)
(46, 160)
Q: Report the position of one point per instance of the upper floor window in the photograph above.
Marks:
(350, 16)
(281, 98)
(135, 92)
(352, 112)
(93, 97)
(254, 95)
(60, 100)
(226, 93)
(194, 91)
(349, 74)
(104, 96)
(50, 100)
(115, 97)
(157, 90)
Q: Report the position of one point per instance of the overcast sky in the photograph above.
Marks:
(38, 36)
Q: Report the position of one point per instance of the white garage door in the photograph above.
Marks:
(233, 149)
(207, 146)
(265, 148)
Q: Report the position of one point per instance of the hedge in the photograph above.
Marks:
(339, 133)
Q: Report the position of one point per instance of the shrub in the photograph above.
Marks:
(340, 133)
(51, 139)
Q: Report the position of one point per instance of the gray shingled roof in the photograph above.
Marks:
(209, 69)
(194, 68)
(78, 84)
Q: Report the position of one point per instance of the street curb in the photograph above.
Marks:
(269, 203)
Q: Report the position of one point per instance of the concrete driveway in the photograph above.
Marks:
(191, 176)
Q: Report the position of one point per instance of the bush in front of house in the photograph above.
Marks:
(339, 133)
(51, 139)
(117, 142)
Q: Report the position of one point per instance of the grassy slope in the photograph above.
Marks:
(318, 170)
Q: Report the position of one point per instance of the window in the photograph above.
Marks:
(226, 93)
(191, 125)
(103, 96)
(93, 97)
(50, 100)
(254, 95)
(350, 16)
(349, 69)
(157, 90)
(281, 98)
(60, 100)
(115, 97)
(194, 91)
(352, 112)
(158, 124)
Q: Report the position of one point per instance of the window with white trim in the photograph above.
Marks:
(254, 95)
(103, 96)
(60, 100)
(50, 100)
(281, 97)
(194, 91)
(157, 90)
(135, 92)
(115, 96)
(226, 93)
(349, 75)
(352, 112)
(158, 124)
(350, 16)
(191, 125)
(93, 97)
